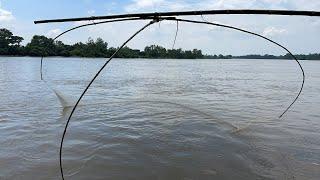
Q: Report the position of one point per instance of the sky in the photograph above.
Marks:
(299, 34)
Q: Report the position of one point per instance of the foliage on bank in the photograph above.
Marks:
(10, 45)
(44, 46)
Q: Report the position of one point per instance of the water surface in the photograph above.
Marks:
(160, 119)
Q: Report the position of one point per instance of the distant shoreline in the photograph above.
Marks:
(10, 45)
(234, 58)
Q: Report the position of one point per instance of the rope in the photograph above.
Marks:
(255, 34)
(157, 19)
(88, 86)
(175, 37)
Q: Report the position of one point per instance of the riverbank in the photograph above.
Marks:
(10, 45)
(233, 58)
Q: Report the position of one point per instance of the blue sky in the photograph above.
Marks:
(300, 34)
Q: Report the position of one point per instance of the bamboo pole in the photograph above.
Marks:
(187, 13)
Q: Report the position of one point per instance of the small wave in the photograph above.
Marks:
(159, 101)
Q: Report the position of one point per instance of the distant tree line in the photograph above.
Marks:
(10, 45)
(44, 46)
(315, 56)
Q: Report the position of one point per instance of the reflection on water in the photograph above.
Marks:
(160, 119)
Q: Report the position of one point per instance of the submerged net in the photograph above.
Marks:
(67, 101)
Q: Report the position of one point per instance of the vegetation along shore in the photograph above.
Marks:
(10, 45)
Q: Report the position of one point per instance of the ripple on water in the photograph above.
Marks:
(152, 140)
(160, 139)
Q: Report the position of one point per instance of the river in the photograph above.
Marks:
(159, 119)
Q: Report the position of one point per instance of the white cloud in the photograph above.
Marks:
(53, 33)
(212, 40)
(5, 16)
(306, 4)
(273, 31)
(182, 5)
(165, 5)
(154, 5)
(91, 12)
(148, 3)
(142, 4)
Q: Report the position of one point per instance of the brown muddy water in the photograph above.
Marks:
(160, 119)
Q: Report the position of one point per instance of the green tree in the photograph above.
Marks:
(101, 48)
(155, 51)
(9, 44)
(41, 46)
(91, 48)
(62, 49)
(127, 52)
